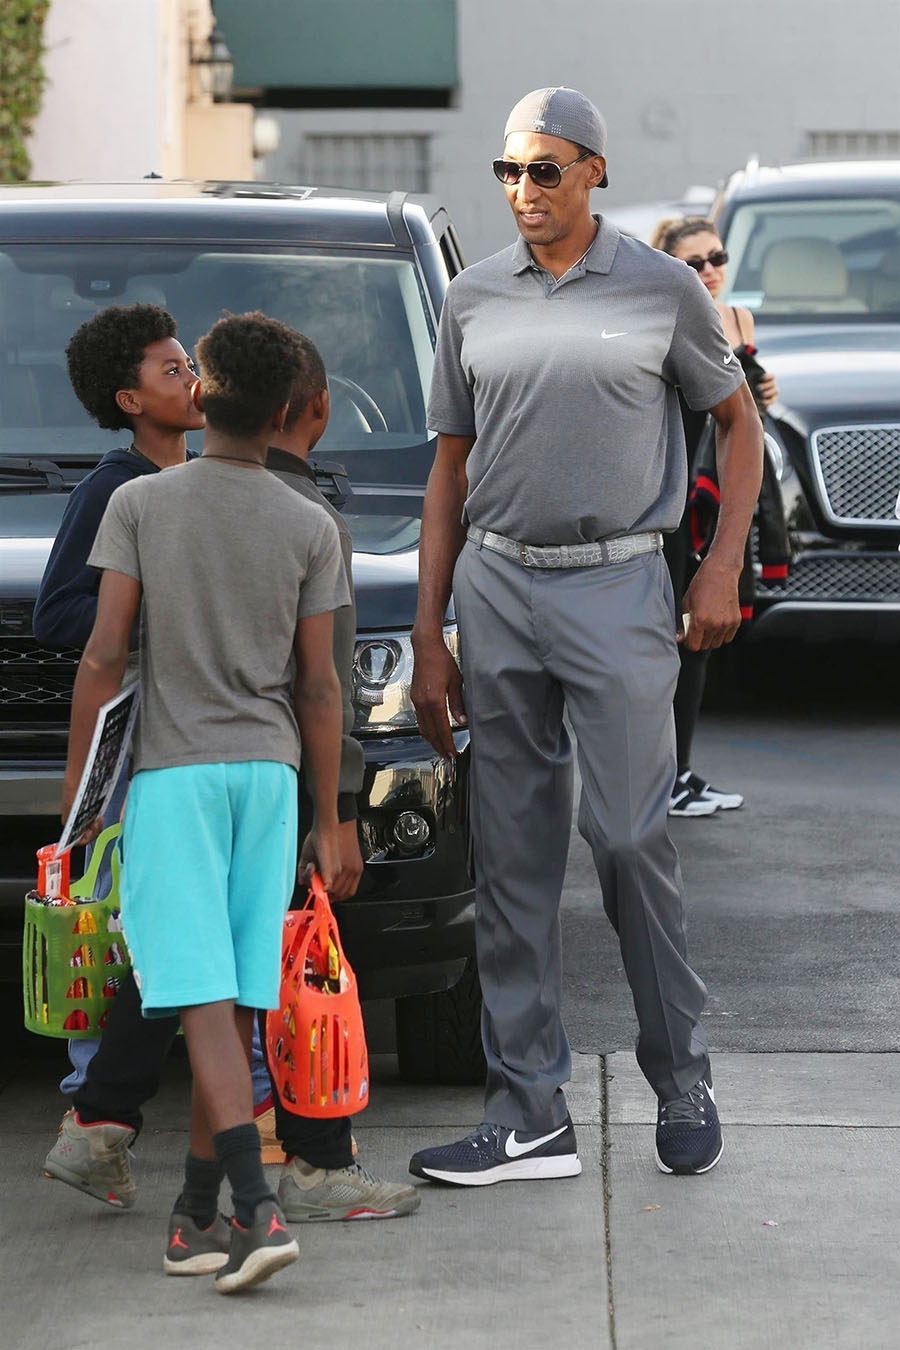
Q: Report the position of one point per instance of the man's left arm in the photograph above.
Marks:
(711, 600)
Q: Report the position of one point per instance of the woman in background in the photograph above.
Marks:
(696, 241)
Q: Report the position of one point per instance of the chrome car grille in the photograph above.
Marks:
(840, 577)
(35, 683)
(858, 472)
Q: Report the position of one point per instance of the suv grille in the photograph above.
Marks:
(860, 577)
(35, 683)
(858, 470)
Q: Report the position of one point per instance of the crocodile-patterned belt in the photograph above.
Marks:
(600, 554)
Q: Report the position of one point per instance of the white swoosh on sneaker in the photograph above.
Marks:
(712, 1095)
(604, 334)
(516, 1150)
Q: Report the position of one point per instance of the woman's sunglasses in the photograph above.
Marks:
(717, 259)
(545, 173)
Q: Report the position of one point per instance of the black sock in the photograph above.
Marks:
(238, 1151)
(199, 1197)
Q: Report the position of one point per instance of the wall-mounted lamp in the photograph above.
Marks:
(212, 66)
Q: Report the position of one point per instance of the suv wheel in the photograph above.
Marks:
(439, 1035)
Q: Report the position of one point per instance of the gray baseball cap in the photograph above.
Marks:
(561, 112)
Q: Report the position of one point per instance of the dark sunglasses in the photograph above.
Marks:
(717, 259)
(545, 173)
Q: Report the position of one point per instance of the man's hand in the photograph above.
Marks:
(436, 681)
(712, 603)
(321, 853)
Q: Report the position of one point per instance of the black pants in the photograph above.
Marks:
(126, 1070)
(321, 1143)
(692, 675)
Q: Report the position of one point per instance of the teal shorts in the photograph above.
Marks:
(209, 860)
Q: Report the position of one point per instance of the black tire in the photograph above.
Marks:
(439, 1035)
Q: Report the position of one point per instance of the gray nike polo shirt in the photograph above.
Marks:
(569, 388)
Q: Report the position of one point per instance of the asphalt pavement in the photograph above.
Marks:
(789, 1242)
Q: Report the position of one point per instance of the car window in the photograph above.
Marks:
(366, 314)
(804, 260)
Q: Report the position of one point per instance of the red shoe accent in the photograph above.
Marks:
(275, 1226)
(177, 1242)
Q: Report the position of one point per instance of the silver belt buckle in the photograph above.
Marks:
(523, 556)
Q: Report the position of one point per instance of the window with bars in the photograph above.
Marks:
(851, 144)
(380, 162)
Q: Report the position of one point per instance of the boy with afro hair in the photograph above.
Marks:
(131, 374)
(237, 577)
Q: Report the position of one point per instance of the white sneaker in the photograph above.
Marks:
(685, 801)
(725, 801)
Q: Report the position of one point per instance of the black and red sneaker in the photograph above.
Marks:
(258, 1251)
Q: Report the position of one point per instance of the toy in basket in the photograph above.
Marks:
(315, 1040)
(73, 953)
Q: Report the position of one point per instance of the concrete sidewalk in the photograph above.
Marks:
(790, 1242)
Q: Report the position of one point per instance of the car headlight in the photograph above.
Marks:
(382, 676)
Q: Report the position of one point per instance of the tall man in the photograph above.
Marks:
(560, 461)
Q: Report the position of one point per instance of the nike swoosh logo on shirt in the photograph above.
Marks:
(515, 1150)
(728, 359)
(604, 334)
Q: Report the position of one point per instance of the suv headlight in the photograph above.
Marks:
(382, 676)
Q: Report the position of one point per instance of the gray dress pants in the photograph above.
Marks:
(599, 643)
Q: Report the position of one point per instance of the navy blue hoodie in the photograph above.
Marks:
(66, 606)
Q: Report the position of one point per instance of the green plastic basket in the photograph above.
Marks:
(69, 954)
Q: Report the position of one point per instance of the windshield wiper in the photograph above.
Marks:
(29, 475)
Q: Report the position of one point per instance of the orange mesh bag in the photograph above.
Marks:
(315, 1040)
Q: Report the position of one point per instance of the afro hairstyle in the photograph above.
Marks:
(104, 355)
(248, 366)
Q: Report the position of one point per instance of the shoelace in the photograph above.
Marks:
(485, 1134)
(686, 1108)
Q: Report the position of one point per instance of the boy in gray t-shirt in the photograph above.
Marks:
(236, 578)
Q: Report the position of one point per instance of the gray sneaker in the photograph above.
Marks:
(94, 1159)
(258, 1251)
(191, 1250)
(313, 1195)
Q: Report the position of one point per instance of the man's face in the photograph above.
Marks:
(548, 215)
(166, 380)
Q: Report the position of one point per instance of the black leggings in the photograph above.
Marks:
(688, 698)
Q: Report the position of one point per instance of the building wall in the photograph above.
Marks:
(119, 101)
(780, 69)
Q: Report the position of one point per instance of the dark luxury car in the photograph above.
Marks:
(814, 253)
(364, 276)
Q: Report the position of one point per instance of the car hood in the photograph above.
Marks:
(385, 584)
(850, 370)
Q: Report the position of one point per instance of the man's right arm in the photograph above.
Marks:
(436, 676)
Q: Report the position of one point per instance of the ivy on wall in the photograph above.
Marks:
(21, 81)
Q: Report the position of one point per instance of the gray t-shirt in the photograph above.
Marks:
(228, 559)
(569, 387)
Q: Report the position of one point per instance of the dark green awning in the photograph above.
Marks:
(341, 44)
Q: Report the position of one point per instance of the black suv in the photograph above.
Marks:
(814, 253)
(364, 276)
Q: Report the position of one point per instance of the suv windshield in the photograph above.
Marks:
(808, 260)
(366, 314)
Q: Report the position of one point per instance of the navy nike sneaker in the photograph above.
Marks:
(494, 1153)
(688, 1135)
